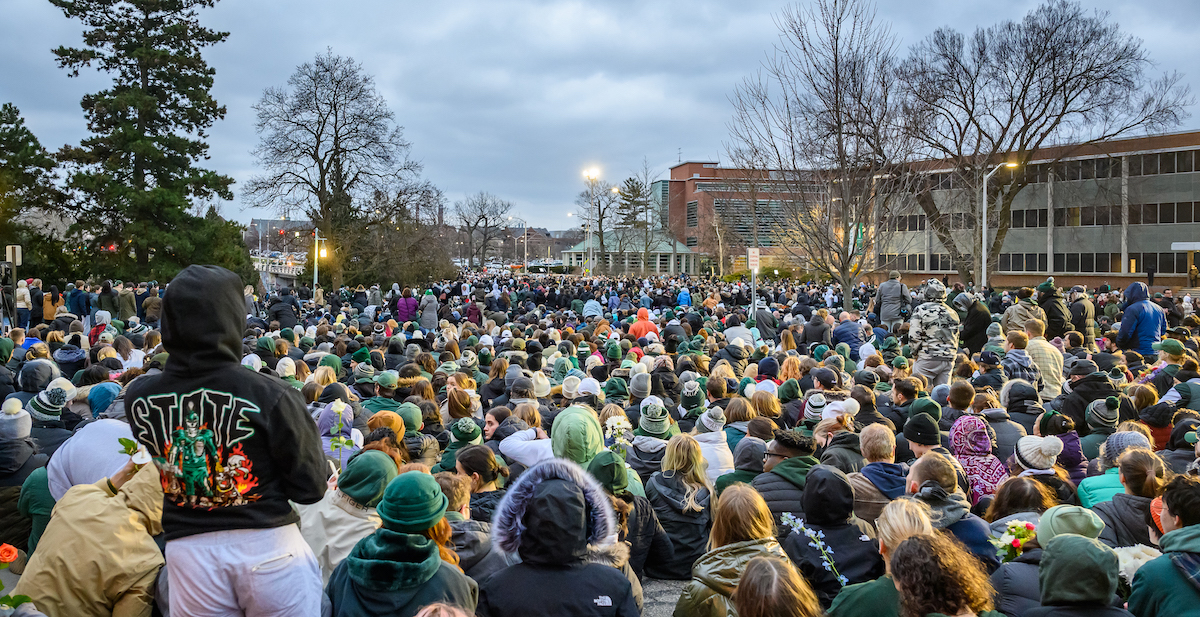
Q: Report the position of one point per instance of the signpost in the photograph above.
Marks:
(752, 263)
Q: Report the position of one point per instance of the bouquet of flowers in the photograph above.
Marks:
(8, 554)
(616, 433)
(1010, 545)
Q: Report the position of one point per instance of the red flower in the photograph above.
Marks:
(1016, 543)
(1030, 526)
(8, 553)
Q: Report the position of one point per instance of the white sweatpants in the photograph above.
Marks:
(251, 572)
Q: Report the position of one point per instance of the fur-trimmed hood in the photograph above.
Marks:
(569, 511)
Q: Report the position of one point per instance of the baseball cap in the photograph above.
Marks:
(1171, 346)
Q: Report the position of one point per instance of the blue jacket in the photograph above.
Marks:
(684, 299)
(850, 333)
(1143, 323)
(976, 535)
(77, 303)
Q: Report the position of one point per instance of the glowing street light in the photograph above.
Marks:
(983, 204)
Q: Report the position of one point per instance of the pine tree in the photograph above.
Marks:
(136, 176)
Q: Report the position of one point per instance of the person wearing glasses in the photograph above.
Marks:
(786, 462)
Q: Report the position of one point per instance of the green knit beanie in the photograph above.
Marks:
(366, 477)
(411, 414)
(412, 503)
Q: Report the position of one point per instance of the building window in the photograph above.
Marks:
(691, 213)
(1023, 262)
(691, 241)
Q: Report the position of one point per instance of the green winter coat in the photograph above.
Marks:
(1159, 588)
(715, 575)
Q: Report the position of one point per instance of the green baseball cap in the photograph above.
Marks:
(1171, 346)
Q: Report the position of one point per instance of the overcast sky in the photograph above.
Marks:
(513, 97)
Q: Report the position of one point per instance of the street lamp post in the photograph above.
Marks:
(524, 238)
(983, 202)
(316, 255)
(592, 175)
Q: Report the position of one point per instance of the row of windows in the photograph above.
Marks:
(911, 222)
(1088, 169)
(1089, 216)
(692, 216)
(1165, 263)
(1023, 262)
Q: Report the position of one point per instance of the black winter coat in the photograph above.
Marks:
(1008, 433)
(688, 531)
(782, 496)
(815, 332)
(974, 327)
(735, 356)
(1056, 314)
(282, 312)
(647, 539)
(18, 459)
(1124, 520)
(1090, 388)
(829, 504)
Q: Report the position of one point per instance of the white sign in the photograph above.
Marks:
(1185, 246)
(752, 259)
(13, 253)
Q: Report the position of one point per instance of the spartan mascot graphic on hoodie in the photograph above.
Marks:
(201, 461)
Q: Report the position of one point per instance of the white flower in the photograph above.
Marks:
(865, 538)
(843, 580)
(1006, 539)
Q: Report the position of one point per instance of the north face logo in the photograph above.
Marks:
(603, 601)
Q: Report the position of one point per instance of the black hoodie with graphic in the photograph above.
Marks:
(232, 445)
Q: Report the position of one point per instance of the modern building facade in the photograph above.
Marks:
(1108, 213)
(1105, 213)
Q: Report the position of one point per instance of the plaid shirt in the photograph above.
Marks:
(1049, 361)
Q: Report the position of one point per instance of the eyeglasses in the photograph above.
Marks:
(782, 456)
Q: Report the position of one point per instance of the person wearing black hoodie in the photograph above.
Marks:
(846, 552)
(19, 457)
(233, 448)
(558, 519)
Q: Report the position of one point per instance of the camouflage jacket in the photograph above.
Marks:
(933, 331)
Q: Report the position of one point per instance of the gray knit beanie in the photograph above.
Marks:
(639, 386)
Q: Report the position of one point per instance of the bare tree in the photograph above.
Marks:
(328, 143)
(598, 208)
(1062, 75)
(483, 218)
(818, 132)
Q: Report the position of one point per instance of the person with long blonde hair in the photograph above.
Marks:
(742, 530)
(681, 495)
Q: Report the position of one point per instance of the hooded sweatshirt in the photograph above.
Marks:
(205, 410)
(1077, 576)
(952, 512)
(829, 516)
(1143, 322)
(875, 486)
(1166, 586)
(395, 573)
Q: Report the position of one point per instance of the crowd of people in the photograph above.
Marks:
(543, 445)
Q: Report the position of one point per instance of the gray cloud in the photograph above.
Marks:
(513, 97)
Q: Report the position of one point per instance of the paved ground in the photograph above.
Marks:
(660, 596)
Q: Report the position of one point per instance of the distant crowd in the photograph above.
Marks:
(543, 445)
